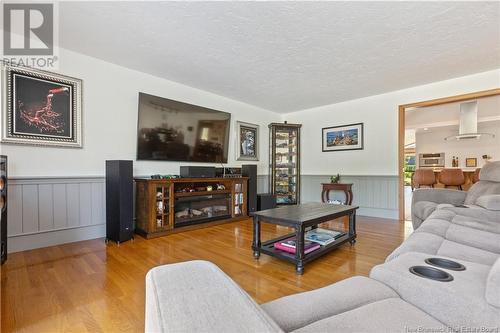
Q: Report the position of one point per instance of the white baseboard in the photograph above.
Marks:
(378, 212)
(55, 237)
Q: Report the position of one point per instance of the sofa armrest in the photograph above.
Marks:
(196, 296)
(425, 201)
(458, 303)
(439, 196)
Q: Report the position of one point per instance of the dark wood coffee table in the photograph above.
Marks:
(300, 217)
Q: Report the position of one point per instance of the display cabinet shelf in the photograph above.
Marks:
(201, 193)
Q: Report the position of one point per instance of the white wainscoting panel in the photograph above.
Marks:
(375, 195)
(50, 211)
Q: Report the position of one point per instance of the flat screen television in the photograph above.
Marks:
(169, 130)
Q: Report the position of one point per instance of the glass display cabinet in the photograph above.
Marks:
(284, 160)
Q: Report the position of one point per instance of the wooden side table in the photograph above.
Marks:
(327, 187)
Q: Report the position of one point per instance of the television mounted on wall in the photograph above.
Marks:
(170, 130)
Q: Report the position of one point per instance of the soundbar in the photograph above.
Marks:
(197, 172)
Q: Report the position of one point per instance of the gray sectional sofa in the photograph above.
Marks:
(197, 296)
(425, 201)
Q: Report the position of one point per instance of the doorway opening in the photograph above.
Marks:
(445, 120)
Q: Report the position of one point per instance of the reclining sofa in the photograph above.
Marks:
(458, 289)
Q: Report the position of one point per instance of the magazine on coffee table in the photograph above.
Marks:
(323, 236)
(289, 245)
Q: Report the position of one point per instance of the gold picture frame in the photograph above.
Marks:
(41, 108)
(471, 162)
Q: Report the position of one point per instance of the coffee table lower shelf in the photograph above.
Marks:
(268, 248)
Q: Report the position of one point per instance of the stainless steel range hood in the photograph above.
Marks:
(468, 123)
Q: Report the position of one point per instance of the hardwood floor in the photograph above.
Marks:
(92, 287)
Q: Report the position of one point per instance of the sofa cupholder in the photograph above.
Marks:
(431, 273)
(445, 263)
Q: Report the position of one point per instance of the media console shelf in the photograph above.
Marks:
(166, 206)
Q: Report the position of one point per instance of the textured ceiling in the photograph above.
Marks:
(288, 56)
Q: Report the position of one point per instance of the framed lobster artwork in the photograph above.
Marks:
(41, 108)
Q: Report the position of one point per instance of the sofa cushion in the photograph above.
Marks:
(490, 172)
(439, 196)
(196, 296)
(295, 311)
(471, 234)
(464, 230)
(425, 201)
(459, 303)
(418, 242)
(489, 183)
(389, 315)
(480, 239)
(466, 253)
(493, 285)
(422, 209)
(483, 187)
(476, 214)
(480, 221)
(491, 202)
(441, 221)
(432, 244)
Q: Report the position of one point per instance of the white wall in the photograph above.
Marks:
(432, 141)
(110, 97)
(110, 123)
(380, 117)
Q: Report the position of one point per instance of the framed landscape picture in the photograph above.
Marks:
(347, 137)
(41, 108)
(247, 142)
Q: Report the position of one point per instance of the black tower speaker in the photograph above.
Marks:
(265, 201)
(3, 207)
(119, 201)
(250, 171)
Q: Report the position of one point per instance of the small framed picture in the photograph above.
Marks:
(41, 108)
(346, 137)
(471, 162)
(247, 142)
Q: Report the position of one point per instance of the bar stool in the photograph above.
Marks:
(452, 177)
(424, 177)
(475, 176)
